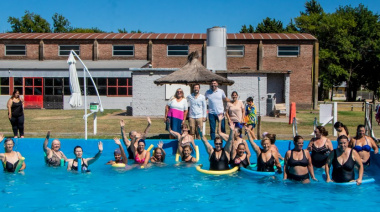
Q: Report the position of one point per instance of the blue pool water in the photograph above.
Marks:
(167, 188)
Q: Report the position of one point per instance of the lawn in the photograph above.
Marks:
(70, 124)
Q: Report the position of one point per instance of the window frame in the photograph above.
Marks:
(5, 49)
(59, 50)
(298, 52)
(113, 50)
(122, 86)
(243, 51)
(168, 55)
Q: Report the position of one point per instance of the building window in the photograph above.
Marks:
(176, 50)
(64, 50)
(235, 51)
(15, 50)
(119, 87)
(288, 51)
(123, 50)
(53, 86)
(18, 83)
(4, 85)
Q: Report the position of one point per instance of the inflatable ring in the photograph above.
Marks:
(258, 173)
(19, 165)
(118, 165)
(364, 181)
(212, 172)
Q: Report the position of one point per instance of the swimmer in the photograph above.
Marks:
(185, 152)
(10, 158)
(141, 156)
(85, 162)
(159, 154)
(240, 158)
(119, 154)
(219, 157)
(298, 166)
(134, 136)
(341, 129)
(185, 138)
(53, 155)
(343, 160)
(320, 147)
(266, 157)
(363, 144)
(273, 147)
(236, 139)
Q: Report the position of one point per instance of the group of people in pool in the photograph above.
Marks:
(299, 163)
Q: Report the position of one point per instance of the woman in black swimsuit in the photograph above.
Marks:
(298, 164)
(185, 152)
(85, 162)
(219, 157)
(266, 158)
(10, 158)
(16, 113)
(343, 160)
(53, 155)
(240, 158)
(320, 147)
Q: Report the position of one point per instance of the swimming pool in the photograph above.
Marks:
(167, 188)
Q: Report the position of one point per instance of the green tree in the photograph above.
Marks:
(291, 27)
(122, 30)
(60, 23)
(30, 22)
(244, 29)
(86, 30)
(269, 25)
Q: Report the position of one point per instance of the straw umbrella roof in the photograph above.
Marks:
(192, 73)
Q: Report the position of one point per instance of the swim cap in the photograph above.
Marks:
(117, 152)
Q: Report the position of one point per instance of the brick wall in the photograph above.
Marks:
(32, 48)
(105, 49)
(51, 49)
(249, 61)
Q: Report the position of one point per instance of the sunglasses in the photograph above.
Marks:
(218, 144)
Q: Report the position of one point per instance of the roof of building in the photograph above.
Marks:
(154, 36)
(62, 64)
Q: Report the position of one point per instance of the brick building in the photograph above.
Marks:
(124, 67)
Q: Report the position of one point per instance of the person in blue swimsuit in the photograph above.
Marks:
(343, 160)
(363, 144)
(298, 166)
(10, 158)
(85, 162)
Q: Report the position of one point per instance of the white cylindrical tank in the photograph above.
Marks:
(217, 37)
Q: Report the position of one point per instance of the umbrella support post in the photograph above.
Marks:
(95, 123)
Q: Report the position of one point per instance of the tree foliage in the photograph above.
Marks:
(86, 30)
(269, 25)
(60, 23)
(30, 22)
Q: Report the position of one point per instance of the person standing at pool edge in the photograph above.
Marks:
(198, 110)
(250, 117)
(215, 98)
(16, 113)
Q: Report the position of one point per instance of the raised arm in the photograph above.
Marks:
(252, 142)
(147, 128)
(180, 149)
(124, 138)
(45, 147)
(123, 155)
(97, 156)
(328, 165)
(133, 146)
(207, 145)
(229, 144)
(173, 133)
(220, 133)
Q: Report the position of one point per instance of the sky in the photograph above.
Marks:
(167, 16)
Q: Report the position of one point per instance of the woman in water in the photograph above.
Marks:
(235, 110)
(298, 166)
(343, 160)
(239, 157)
(219, 157)
(266, 157)
(273, 147)
(119, 154)
(53, 155)
(176, 111)
(183, 139)
(185, 152)
(236, 139)
(363, 144)
(16, 113)
(85, 162)
(341, 129)
(320, 147)
(158, 154)
(141, 156)
(10, 158)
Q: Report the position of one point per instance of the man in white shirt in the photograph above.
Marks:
(215, 98)
(198, 110)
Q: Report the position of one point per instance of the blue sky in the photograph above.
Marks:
(171, 16)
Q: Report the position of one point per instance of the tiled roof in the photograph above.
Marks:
(154, 36)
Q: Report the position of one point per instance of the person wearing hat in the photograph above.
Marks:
(119, 154)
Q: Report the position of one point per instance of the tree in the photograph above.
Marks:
(86, 30)
(122, 30)
(244, 29)
(269, 25)
(60, 23)
(291, 27)
(30, 22)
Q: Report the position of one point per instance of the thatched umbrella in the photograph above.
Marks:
(193, 73)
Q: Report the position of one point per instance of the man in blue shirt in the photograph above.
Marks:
(215, 98)
(198, 110)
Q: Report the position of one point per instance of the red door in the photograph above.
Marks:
(33, 87)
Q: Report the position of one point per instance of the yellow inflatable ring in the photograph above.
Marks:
(118, 165)
(199, 168)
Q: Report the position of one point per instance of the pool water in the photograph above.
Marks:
(168, 187)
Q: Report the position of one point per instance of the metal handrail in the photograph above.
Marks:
(295, 131)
